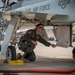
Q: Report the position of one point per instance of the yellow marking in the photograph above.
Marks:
(16, 63)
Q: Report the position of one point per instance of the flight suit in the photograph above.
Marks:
(28, 46)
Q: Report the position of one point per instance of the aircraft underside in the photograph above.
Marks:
(58, 14)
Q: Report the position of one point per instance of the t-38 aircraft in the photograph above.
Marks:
(57, 13)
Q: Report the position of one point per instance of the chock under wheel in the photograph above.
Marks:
(16, 62)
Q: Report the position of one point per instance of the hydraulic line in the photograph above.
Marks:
(39, 71)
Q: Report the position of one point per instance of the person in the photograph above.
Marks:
(29, 42)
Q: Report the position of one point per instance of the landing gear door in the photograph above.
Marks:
(63, 36)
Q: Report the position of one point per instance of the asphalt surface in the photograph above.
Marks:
(44, 63)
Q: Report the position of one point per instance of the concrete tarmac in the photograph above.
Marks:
(46, 58)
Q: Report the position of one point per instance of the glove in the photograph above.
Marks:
(52, 45)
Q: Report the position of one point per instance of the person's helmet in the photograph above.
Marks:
(40, 26)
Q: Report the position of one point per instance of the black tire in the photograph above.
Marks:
(11, 53)
(73, 53)
(0, 47)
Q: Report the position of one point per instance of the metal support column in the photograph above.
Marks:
(8, 35)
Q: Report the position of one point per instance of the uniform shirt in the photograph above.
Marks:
(31, 35)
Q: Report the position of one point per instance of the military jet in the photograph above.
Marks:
(60, 14)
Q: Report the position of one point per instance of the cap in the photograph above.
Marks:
(40, 26)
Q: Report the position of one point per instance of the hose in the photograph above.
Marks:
(39, 71)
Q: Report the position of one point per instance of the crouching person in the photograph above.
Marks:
(28, 43)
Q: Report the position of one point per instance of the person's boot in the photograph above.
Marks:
(18, 56)
(25, 60)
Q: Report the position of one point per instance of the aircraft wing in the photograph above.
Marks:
(49, 12)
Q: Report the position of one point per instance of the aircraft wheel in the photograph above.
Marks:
(11, 53)
(73, 52)
(0, 47)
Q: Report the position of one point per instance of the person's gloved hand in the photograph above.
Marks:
(53, 45)
(34, 42)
